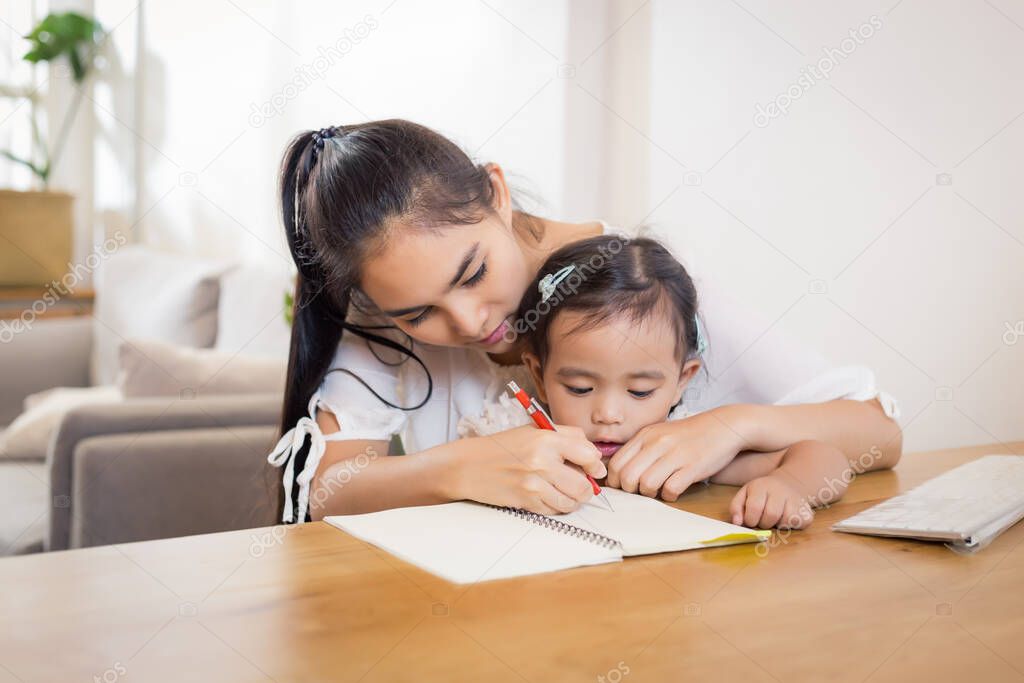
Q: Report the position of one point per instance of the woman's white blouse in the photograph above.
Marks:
(742, 364)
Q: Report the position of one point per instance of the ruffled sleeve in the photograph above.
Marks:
(359, 413)
(500, 411)
(853, 382)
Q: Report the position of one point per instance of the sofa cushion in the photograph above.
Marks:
(220, 413)
(155, 368)
(144, 485)
(250, 317)
(141, 291)
(28, 437)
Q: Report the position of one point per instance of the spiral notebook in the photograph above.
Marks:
(467, 542)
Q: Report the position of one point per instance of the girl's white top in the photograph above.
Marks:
(747, 361)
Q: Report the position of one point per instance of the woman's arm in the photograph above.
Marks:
(746, 466)
(868, 438)
(524, 467)
(752, 464)
(666, 458)
(356, 476)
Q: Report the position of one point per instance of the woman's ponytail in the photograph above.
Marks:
(341, 188)
(317, 319)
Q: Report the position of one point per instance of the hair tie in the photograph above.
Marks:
(550, 282)
(323, 134)
(702, 342)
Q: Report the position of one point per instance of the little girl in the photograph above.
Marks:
(614, 341)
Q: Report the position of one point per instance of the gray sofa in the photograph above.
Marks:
(136, 470)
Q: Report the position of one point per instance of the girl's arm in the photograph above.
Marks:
(819, 473)
(810, 474)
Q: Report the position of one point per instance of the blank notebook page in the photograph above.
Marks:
(469, 542)
(644, 525)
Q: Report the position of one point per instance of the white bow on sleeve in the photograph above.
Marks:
(284, 454)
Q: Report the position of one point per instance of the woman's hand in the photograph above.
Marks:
(530, 468)
(669, 456)
(770, 501)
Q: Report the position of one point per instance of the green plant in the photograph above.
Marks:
(70, 36)
(289, 307)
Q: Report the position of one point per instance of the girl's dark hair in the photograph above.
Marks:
(612, 276)
(342, 190)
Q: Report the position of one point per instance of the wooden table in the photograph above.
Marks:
(311, 603)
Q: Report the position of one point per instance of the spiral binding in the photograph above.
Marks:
(560, 526)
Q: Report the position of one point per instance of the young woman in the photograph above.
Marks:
(412, 260)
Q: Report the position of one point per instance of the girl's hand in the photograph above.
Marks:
(672, 455)
(530, 468)
(770, 501)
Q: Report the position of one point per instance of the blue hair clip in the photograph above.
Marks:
(702, 342)
(550, 282)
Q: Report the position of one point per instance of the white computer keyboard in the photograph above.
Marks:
(967, 506)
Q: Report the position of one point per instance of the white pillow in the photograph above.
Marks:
(28, 437)
(142, 292)
(250, 314)
(154, 368)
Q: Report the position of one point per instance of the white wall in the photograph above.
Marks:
(841, 195)
(467, 74)
(828, 220)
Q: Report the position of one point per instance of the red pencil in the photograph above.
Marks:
(541, 419)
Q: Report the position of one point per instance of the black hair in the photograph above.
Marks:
(611, 276)
(343, 189)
